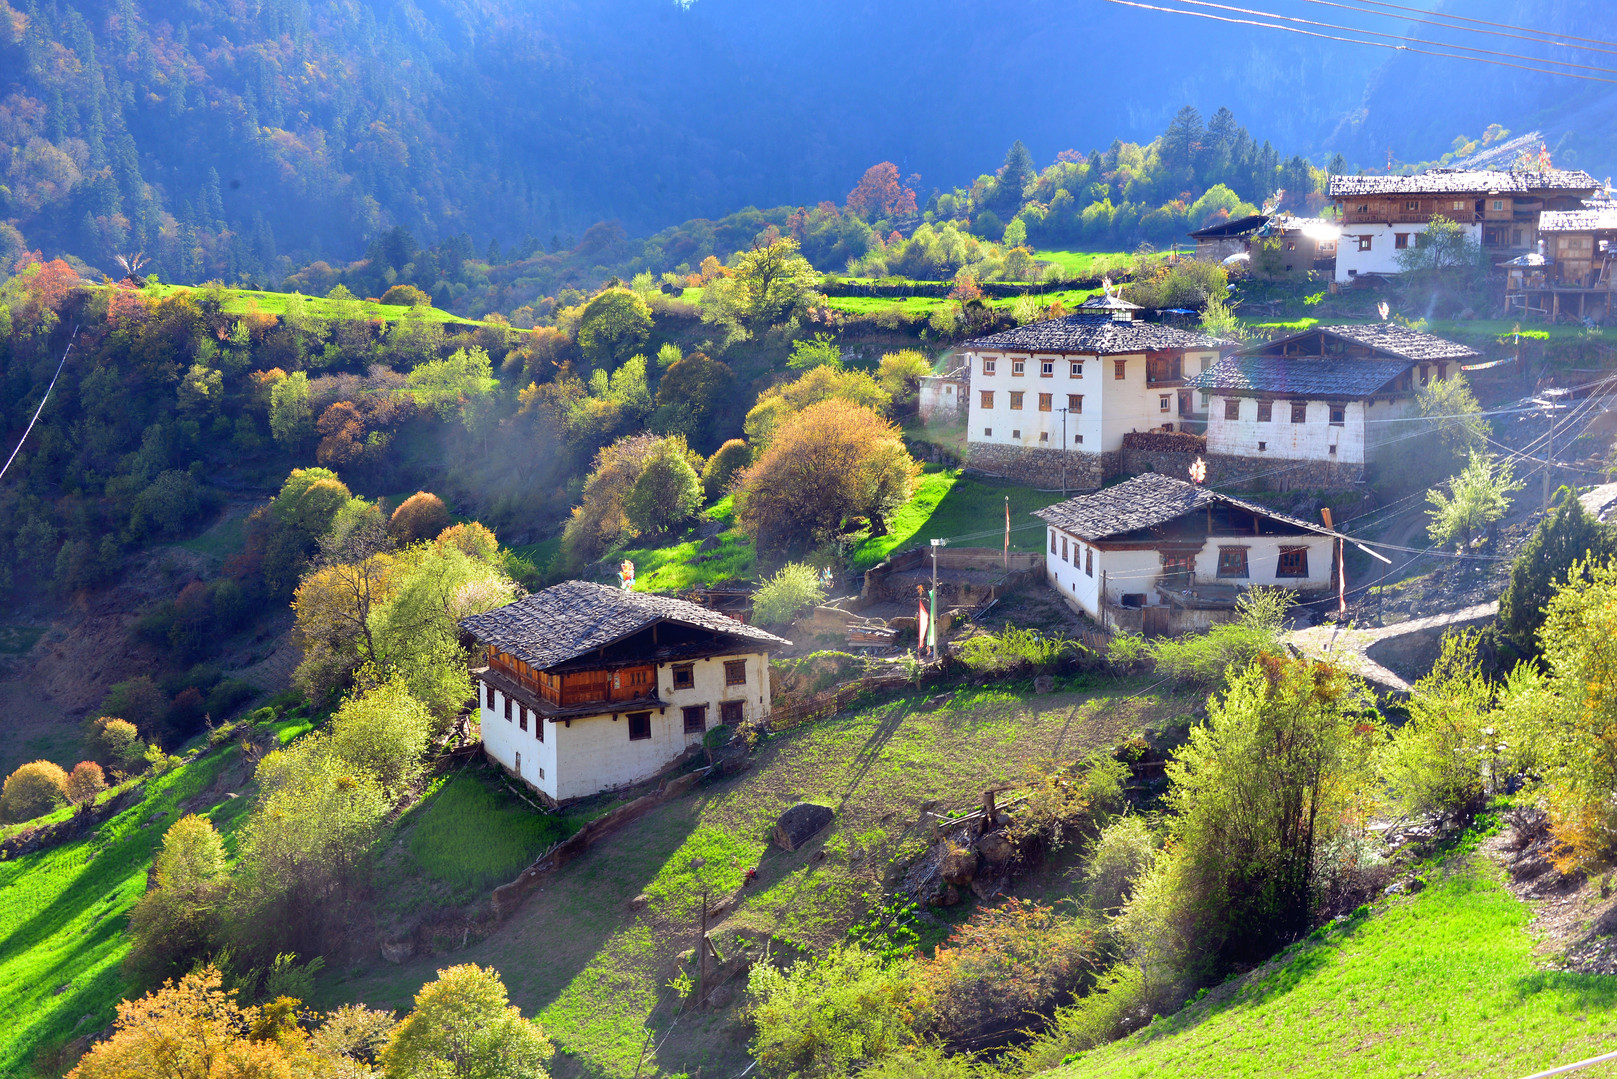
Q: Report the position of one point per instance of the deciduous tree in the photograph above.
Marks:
(175, 921)
(464, 1027)
(32, 790)
(613, 326)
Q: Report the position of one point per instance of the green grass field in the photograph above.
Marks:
(1443, 983)
(684, 564)
(1085, 263)
(63, 910)
(592, 961)
(968, 512)
(245, 301)
(923, 306)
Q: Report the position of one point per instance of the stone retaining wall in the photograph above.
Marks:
(1281, 474)
(1040, 467)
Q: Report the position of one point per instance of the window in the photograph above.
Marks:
(1052, 541)
(988, 432)
(735, 672)
(1018, 367)
(1338, 415)
(1364, 242)
(1516, 238)
(1075, 402)
(1064, 549)
(989, 363)
(1232, 562)
(1016, 399)
(539, 727)
(1400, 240)
(1362, 208)
(508, 707)
(1299, 412)
(1459, 204)
(1291, 245)
(1265, 411)
(695, 718)
(519, 764)
(1089, 561)
(1017, 433)
(1118, 369)
(490, 691)
(1412, 205)
(1232, 408)
(1333, 449)
(1164, 401)
(1046, 401)
(639, 726)
(684, 675)
(1077, 369)
(1044, 436)
(1078, 440)
(522, 716)
(1498, 204)
(1262, 446)
(1047, 368)
(1293, 562)
(1425, 374)
(988, 398)
(731, 714)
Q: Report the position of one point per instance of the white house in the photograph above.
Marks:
(1326, 402)
(1158, 555)
(1382, 216)
(587, 687)
(1059, 395)
(942, 398)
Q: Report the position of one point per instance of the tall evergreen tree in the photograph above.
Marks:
(1563, 539)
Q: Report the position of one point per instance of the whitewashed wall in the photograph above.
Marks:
(1382, 258)
(594, 753)
(1070, 579)
(1307, 441)
(1263, 559)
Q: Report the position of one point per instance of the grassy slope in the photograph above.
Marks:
(594, 969)
(925, 305)
(63, 910)
(967, 511)
(244, 301)
(1440, 984)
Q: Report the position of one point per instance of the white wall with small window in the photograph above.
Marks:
(1373, 248)
(1287, 428)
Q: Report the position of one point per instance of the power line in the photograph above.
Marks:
(4, 469)
(1394, 37)
(1549, 39)
(1357, 41)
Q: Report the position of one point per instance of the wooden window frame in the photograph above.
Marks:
(1064, 557)
(1299, 412)
(508, 707)
(1266, 411)
(1338, 415)
(522, 717)
(1164, 402)
(684, 675)
(1016, 400)
(1076, 369)
(1119, 370)
(987, 399)
(1293, 563)
(1018, 367)
(1047, 369)
(1232, 562)
(639, 726)
(990, 365)
(1232, 408)
(735, 672)
(1047, 402)
(1075, 402)
(1089, 561)
(489, 696)
(1365, 242)
(732, 713)
(699, 711)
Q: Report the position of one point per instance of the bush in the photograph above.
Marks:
(825, 1017)
(1003, 965)
(1015, 649)
(1202, 660)
(383, 732)
(32, 791)
(1436, 761)
(1123, 852)
(721, 468)
(792, 590)
(175, 921)
(666, 493)
(1120, 1000)
(116, 744)
(406, 296)
(85, 782)
(421, 516)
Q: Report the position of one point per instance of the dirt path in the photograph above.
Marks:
(1349, 646)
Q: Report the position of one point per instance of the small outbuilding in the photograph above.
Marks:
(585, 688)
(1157, 555)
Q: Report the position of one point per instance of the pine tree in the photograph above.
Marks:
(1563, 539)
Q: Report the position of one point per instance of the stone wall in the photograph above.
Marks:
(1132, 462)
(1039, 467)
(1281, 474)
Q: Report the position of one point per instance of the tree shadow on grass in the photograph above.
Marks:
(1578, 990)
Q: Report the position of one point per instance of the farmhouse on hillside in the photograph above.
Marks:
(1055, 398)
(1382, 216)
(1572, 275)
(587, 687)
(1299, 244)
(1157, 555)
(1320, 405)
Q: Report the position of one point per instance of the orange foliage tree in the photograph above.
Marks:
(421, 516)
(880, 194)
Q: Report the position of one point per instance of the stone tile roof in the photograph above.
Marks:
(570, 619)
(1466, 182)
(1092, 335)
(1590, 219)
(1312, 378)
(1145, 502)
(1239, 226)
(1388, 338)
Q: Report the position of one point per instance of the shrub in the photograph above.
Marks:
(1477, 497)
(32, 791)
(464, 1025)
(721, 468)
(174, 922)
(667, 492)
(117, 744)
(1202, 660)
(1003, 965)
(85, 782)
(1015, 649)
(1120, 1000)
(406, 296)
(1435, 761)
(793, 589)
(421, 516)
(824, 1017)
(1122, 853)
(383, 732)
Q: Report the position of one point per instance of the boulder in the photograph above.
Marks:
(945, 895)
(800, 824)
(1044, 683)
(958, 866)
(996, 847)
(397, 951)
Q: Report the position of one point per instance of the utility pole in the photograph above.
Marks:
(1063, 412)
(1550, 401)
(932, 607)
(701, 941)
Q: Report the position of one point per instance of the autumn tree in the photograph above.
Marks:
(833, 462)
(880, 194)
(601, 520)
(459, 386)
(729, 459)
(771, 285)
(464, 1026)
(692, 390)
(613, 326)
(33, 790)
(291, 419)
(176, 920)
(778, 404)
(84, 782)
(333, 606)
(421, 516)
(899, 374)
